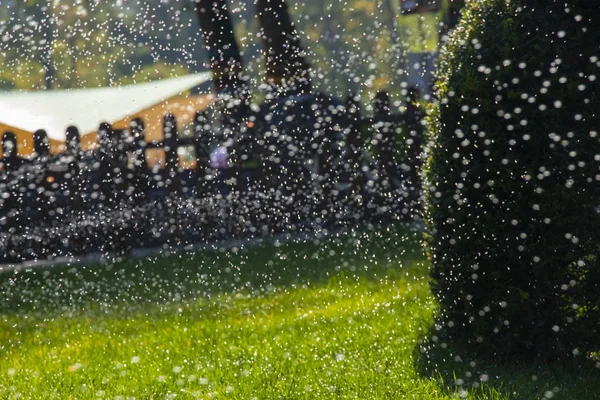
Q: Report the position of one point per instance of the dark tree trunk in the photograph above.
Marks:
(221, 46)
(285, 63)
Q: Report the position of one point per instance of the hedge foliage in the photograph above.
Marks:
(512, 178)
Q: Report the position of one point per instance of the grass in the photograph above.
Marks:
(338, 318)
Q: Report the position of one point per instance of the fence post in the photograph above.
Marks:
(10, 208)
(35, 200)
(384, 134)
(41, 143)
(355, 145)
(202, 148)
(171, 146)
(73, 141)
(138, 134)
(414, 143)
(10, 158)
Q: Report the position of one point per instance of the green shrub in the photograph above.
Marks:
(512, 178)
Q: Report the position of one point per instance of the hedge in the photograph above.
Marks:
(512, 179)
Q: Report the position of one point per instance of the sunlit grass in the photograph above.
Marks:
(336, 318)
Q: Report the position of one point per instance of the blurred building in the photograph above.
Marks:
(24, 112)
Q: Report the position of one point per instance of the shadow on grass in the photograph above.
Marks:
(461, 372)
(259, 271)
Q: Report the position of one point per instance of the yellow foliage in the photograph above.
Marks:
(368, 6)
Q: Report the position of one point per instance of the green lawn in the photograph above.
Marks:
(339, 318)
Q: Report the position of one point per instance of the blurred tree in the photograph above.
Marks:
(87, 43)
(354, 45)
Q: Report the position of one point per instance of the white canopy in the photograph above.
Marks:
(55, 110)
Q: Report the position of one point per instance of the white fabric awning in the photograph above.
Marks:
(55, 110)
